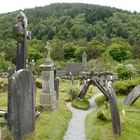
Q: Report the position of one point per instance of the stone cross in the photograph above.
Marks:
(47, 47)
(21, 35)
(48, 99)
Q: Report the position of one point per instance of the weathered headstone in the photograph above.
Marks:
(116, 124)
(48, 98)
(21, 104)
(83, 91)
(133, 96)
(56, 84)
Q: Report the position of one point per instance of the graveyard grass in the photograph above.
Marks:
(50, 125)
(102, 130)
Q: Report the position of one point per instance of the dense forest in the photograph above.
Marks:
(110, 37)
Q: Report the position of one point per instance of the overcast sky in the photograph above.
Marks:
(12, 5)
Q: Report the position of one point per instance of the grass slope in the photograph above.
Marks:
(102, 130)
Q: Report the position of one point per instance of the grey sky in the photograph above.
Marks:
(12, 5)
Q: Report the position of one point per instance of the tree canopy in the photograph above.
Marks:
(72, 29)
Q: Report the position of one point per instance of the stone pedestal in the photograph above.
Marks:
(48, 99)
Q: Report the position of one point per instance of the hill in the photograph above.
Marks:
(72, 29)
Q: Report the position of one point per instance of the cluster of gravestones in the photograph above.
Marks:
(22, 113)
(104, 82)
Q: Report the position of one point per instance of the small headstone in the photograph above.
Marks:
(56, 87)
(133, 96)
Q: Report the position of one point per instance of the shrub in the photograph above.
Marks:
(126, 71)
(124, 87)
(100, 100)
(81, 104)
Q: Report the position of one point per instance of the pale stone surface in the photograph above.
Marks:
(76, 129)
(48, 97)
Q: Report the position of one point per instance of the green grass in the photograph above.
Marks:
(102, 130)
(50, 125)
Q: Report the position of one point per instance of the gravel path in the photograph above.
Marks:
(76, 128)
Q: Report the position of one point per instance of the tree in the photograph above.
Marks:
(57, 53)
(95, 49)
(69, 50)
(120, 50)
(125, 72)
(78, 54)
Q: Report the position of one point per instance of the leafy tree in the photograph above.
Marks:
(97, 13)
(95, 49)
(120, 50)
(136, 51)
(78, 54)
(125, 72)
(69, 50)
(57, 53)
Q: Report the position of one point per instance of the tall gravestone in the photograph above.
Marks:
(21, 87)
(48, 98)
(21, 103)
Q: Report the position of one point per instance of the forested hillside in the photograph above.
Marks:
(110, 36)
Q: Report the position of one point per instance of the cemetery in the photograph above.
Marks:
(84, 100)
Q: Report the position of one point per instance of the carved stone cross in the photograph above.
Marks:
(21, 34)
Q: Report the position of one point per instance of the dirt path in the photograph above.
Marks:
(76, 128)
